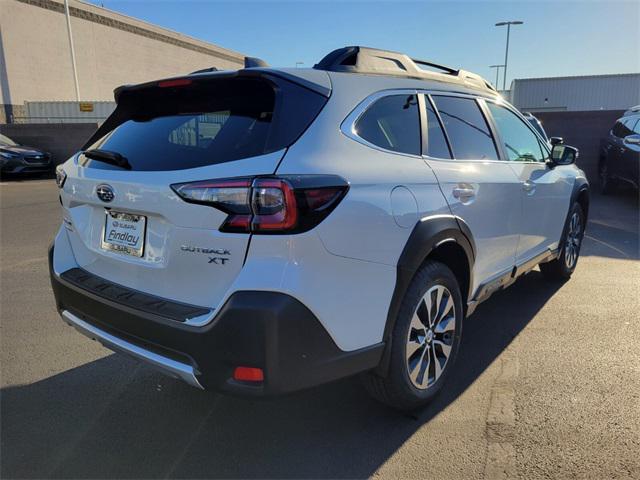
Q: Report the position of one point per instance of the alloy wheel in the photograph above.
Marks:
(430, 338)
(572, 244)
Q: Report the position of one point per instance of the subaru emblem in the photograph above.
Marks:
(105, 193)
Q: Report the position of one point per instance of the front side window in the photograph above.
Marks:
(392, 123)
(466, 128)
(520, 143)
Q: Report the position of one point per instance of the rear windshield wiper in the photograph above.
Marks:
(107, 156)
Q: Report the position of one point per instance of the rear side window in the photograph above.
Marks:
(466, 128)
(392, 123)
(207, 122)
(436, 141)
(620, 130)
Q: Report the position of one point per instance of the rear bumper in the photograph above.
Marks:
(268, 330)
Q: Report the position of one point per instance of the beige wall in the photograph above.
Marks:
(35, 63)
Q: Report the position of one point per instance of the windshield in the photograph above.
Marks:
(7, 141)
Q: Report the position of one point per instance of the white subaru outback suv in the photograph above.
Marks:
(265, 230)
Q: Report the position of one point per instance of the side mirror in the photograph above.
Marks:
(633, 139)
(556, 140)
(563, 154)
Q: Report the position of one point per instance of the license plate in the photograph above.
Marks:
(124, 233)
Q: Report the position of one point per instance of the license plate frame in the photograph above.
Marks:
(120, 223)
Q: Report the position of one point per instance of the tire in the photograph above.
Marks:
(413, 381)
(606, 183)
(563, 267)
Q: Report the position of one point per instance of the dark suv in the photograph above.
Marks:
(620, 153)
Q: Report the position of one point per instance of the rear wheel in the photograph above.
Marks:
(425, 340)
(562, 267)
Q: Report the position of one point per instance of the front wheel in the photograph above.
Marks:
(562, 267)
(425, 340)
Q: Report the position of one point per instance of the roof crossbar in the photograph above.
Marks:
(357, 59)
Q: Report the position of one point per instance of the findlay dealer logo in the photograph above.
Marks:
(217, 256)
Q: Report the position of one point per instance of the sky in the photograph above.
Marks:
(558, 38)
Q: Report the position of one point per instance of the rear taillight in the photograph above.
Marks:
(287, 204)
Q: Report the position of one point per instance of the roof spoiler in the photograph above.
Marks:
(357, 59)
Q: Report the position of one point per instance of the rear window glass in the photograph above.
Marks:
(207, 123)
(467, 128)
(392, 123)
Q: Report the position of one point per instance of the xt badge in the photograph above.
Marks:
(217, 256)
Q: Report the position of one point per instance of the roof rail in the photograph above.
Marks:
(253, 62)
(357, 59)
(205, 70)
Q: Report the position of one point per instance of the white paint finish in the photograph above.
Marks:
(349, 297)
(493, 214)
(544, 206)
(165, 269)
(404, 207)
(363, 225)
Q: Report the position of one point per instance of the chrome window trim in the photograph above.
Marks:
(167, 365)
(497, 101)
(348, 125)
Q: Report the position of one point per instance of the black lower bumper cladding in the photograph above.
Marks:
(267, 330)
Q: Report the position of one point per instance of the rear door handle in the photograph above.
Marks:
(529, 187)
(464, 193)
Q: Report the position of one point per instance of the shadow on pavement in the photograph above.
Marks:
(613, 230)
(26, 177)
(111, 418)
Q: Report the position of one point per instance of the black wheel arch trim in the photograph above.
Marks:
(427, 235)
(580, 186)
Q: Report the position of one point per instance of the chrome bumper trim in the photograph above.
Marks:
(168, 366)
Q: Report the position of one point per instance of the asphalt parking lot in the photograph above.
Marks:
(547, 384)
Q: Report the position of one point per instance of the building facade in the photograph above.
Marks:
(110, 50)
(576, 94)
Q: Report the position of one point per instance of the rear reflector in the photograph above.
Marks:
(248, 374)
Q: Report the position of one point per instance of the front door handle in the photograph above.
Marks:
(529, 187)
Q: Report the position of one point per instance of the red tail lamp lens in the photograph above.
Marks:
(268, 205)
(178, 82)
(248, 374)
(274, 205)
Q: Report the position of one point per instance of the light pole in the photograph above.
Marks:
(73, 52)
(299, 63)
(506, 52)
(497, 67)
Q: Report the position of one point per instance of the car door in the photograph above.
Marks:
(615, 149)
(481, 189)
(630, 153)
(545, 189)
